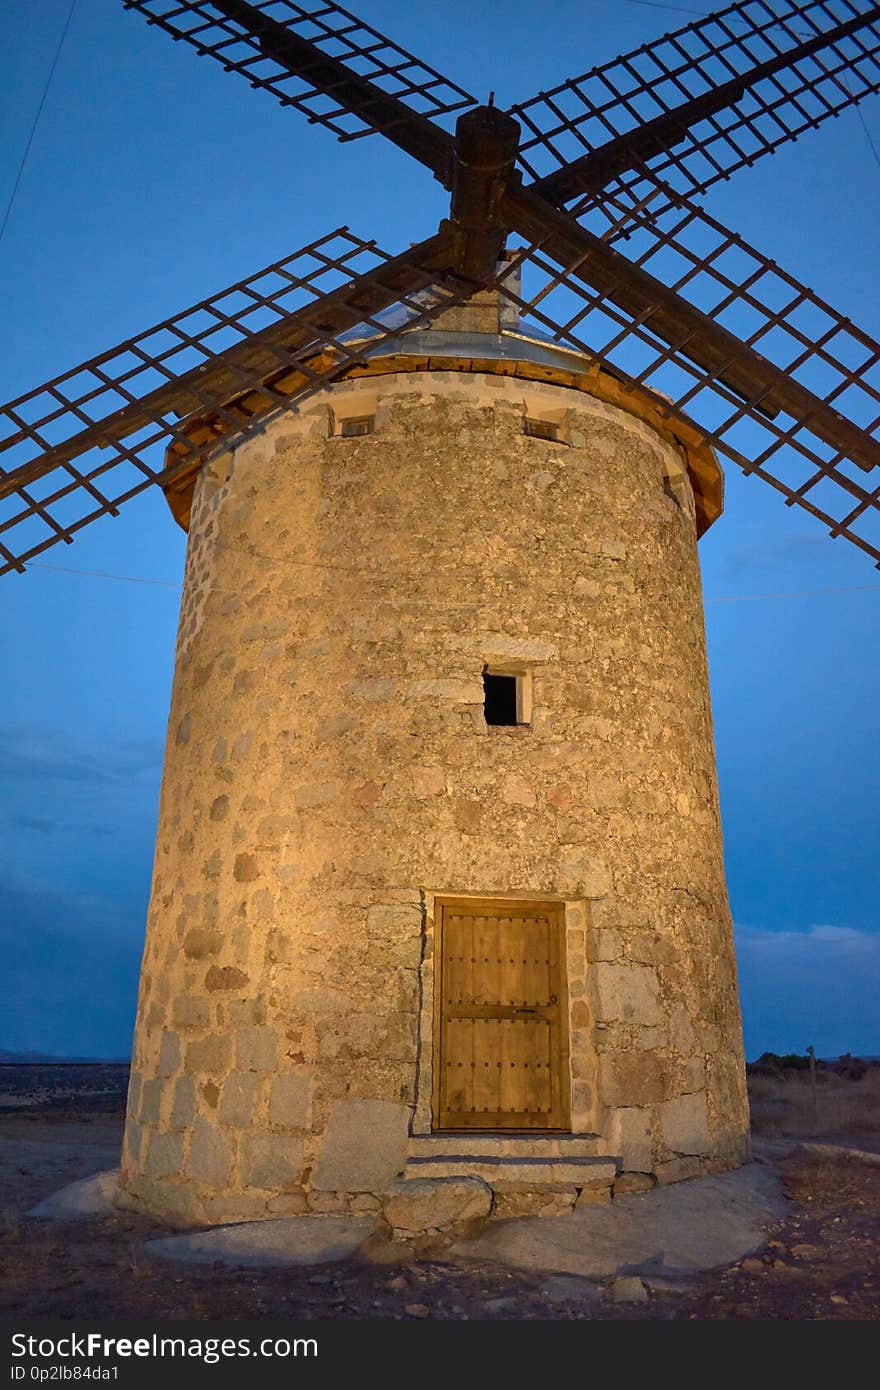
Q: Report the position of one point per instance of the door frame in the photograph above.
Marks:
(555, 907)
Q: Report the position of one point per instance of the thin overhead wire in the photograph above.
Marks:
(875, 150)
(658, 5)
(100, 574)
(176, 584)
(36, 120)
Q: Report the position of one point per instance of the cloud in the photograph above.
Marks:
(54, 783)
(70, 969)
(818, 986)
(42, 755)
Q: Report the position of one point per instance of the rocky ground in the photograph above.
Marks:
(822, 1259)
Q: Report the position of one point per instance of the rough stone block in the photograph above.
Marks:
(626, 1078)
(169, 1054)
(334, 726)
(516, 791)
(226, 977)
(201, 942)
(288, 1204)
(684, 1124)
(151, 1099)
(467, 815)
(290, 1100)
(629, 1289)
(630, 1139)
(239, 1099)
(428, 781)
(390, 918)
(678, 1169)
(414, 1205)
(364, 1146)
(596, 1195)
(133, 1140)
(540, 1202)
(210, 1155)
(226, 1208)
(190, 1013)
(462, 692)
(164, 1155)
(628, 1183)
(211, 1054)
(245, 869)
(184, 1107)
(272, 1161)
(320, 794)
(627, 994)
(608, 944)
(256, 1049)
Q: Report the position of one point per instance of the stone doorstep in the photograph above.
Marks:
(528, 1173)
(499, 1146)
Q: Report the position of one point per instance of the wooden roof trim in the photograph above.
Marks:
(703, 468)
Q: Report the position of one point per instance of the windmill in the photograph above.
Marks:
(312, 1024)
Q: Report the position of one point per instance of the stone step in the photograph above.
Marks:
(500, 1146)
(526, 1174)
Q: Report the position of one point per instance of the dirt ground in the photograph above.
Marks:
(821, 1261)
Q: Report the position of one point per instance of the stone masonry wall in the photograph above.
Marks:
(329, 771)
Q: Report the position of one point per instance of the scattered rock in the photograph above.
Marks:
(659, 1285)
(707, 1224)
(417, 1310)
(628, 1289)
(506, 1304)
(803, 1251)
(866, 1156)
(628, 1183)
(291, 1240)
(753, 1266)
(415, 1206)
(95, 1196)
(570, 1288)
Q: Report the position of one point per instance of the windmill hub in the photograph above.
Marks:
(486, 144)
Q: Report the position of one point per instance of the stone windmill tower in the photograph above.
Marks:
(438, 884)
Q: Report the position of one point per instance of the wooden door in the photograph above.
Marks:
(500, 1038)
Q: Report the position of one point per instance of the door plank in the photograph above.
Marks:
(502, 1064)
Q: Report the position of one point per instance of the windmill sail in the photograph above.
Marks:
(810, 423)
(760, 75)
(84, 443)
(230, 32)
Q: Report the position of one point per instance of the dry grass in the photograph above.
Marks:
(785, 1106)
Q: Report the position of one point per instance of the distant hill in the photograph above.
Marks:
(20, 1057)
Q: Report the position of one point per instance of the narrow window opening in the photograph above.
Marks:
(499, 703)
(539, 429)
(356, 425)
(507, 698)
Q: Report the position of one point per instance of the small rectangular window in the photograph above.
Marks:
(539, 429)
(356, 425)
(507, 698)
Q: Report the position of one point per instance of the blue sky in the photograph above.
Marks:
(155, 179)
